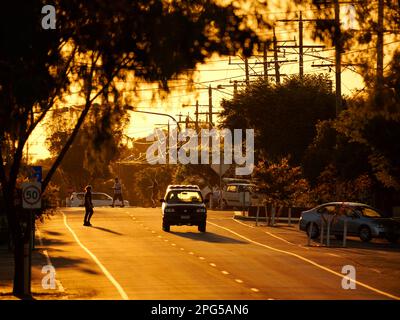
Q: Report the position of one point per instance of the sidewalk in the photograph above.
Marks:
(7, 274)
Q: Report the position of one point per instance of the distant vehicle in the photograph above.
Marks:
(234, 194)
(99, 199)
(362, 220)
(183, 205)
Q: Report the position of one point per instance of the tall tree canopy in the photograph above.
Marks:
(283, 116)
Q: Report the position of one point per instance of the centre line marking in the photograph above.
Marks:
(225, 272)
(213, 265)
(109, 276)
(340, 275)
(239, 281)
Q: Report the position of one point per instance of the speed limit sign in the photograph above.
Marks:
(31, 195)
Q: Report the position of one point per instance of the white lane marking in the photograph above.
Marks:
(173, 244)
(182, 249)
(201, 258)
(191, 253)
(340, 275)
(225, 272)
(153, 232)
(58, 282)
(269, 233)
(255, 290)
(239, 281)
(109, 276)
(213, 265)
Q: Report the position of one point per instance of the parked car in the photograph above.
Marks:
(99, 199)
(234, 194)
(363, 221)
(183, 205)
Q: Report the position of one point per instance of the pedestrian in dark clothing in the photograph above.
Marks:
(88, 206)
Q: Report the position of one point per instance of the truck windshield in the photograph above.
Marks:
(179, 196)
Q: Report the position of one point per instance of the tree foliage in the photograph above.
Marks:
(283, 116)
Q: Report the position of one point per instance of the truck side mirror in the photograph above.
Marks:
(206, 200)
(162, 200)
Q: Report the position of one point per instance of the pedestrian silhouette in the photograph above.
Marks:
(117, 192)
(88, 206)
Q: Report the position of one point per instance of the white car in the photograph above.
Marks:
(99, 199)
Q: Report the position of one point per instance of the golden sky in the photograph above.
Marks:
(216, 72)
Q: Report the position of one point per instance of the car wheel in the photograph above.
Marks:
(365, 234)
(202, 227)
(314, 233)
(166, 227)
(392, 238)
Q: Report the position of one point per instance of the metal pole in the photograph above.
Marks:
(301, 66)
(345, 232)
(277, 74)
(322, 232)
(338, 58)
(309, 233)
(243, 203)
(289, 216)
(33, 228)
(258, 213)
(210, 107)
(328, 233)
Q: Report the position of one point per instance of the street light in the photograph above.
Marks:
(130, 108)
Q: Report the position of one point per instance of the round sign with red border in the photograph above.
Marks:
(31, 195)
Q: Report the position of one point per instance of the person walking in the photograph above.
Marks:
(88, 206)
(117, 193)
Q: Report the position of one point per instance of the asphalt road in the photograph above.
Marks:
(126, 255)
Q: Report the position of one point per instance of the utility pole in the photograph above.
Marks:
(301, 66)
(246, 68)
(379, 54)
(210, 107)
(197, 116)
(265, 58)
(301, 45)
(277, 74)
(338, 58)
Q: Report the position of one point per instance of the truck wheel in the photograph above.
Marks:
(166, 227)
(202, 227)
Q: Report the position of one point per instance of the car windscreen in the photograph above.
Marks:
(180, 196)
(369, 212)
